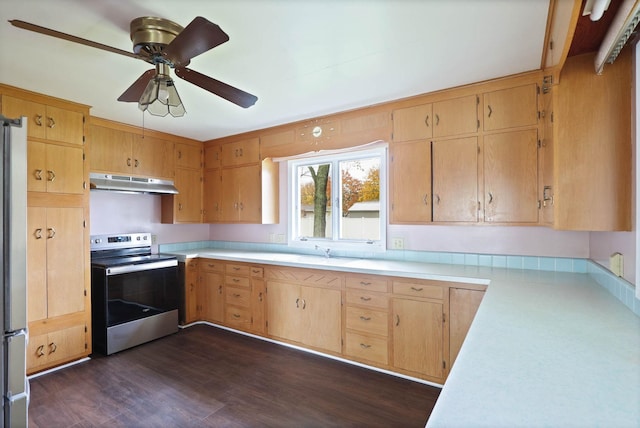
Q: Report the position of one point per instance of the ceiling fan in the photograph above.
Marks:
(166, 45)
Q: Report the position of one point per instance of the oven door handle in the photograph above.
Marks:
(118, 270)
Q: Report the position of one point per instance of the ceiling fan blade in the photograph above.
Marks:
(64, 36)
(221, 89)
(197, 37)
(134, 92)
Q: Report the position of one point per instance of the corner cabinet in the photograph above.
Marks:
(58, 280)
(239, 187)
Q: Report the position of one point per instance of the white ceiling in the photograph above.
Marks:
(302, 59)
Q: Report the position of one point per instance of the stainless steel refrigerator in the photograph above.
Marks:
(13, 250)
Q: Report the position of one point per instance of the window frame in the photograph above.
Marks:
(335, 243)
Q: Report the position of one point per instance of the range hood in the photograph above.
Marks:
(124, 183)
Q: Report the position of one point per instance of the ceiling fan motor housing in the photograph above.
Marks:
(152, 34)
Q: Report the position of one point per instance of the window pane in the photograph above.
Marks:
(360, 202)
(314, 196)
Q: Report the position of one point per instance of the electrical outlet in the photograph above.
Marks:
(281, 238)
(397, 243)
(272, 237)
(616, 264)
(154, 239)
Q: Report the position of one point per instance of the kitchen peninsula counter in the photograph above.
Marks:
(549, 349)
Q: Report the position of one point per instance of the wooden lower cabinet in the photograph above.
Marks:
(410, 326)
(190, 272)
(56, 347)
(463, 305)
(418, 337)
(305, 314)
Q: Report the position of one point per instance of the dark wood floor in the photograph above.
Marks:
(207, 377)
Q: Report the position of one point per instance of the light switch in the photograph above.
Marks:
(616, 264)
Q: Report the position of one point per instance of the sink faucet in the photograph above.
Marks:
(326, 251)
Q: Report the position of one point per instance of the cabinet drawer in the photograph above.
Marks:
(367, 321)
(237, 296)
(241, 270)
(237, 316)
(257, 272)
(238, 281)
(367, 283)
(367, 347)
(211, 265)
(373, 300)
(417, 289)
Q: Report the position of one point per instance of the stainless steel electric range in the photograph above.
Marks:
(134, 294)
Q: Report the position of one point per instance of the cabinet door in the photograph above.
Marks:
(463, 305)
(35, 113)
(283, 311)
(191, 285)
(212, 156)
(65, 261)
(511, 177)
(212, 196)
(229, 203)
(214, 294)
(413, 123)
(66, 344)
(189, 200)
(241, 152)
(37, 261)
(418, 337)
(510, 108)
(411, 182)
(64, 125)
(258, 309)
(65, 169)
(188, 156)
(110, 150)
(249, 185)
(322, 326)
(455, 180)
(153, 157)
(456, 116)
(36, 166)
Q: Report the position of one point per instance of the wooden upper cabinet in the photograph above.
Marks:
(153, 157)
(185, 207)
(55, 168)
(456, 116)
(593, 145)
(212, 196)
(241, 199)
(118, 151)
(188, 156)
(110, 150)
(212, 155)
(241, 152)
(511, 177)
(411, 182)
(413, 123)
(511, 107)
(46, 122)
(455, 180)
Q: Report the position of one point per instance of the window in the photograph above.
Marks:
(339, 200)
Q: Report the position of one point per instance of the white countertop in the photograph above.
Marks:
(546, 349)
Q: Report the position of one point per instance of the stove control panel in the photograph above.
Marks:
(125, 240)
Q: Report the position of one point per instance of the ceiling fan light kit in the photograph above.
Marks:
(165, 45)
(160, 97)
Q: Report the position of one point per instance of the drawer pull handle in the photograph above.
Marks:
(365, 318)
(210, 265)
(365, 346)
(52, 347)
(236, 280)
(236, 268)
(128, 161)
(364, 283)
(236, 315)
(304, 304)
(38, 233)
(52, 233)
(40, 351)
(236, 295)
(297, 301)
(260, 297)
(52, 175)
(426, 121)
(365, 299)
(52, 122)
(255, 270)
(219, 289)
(417, 289)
